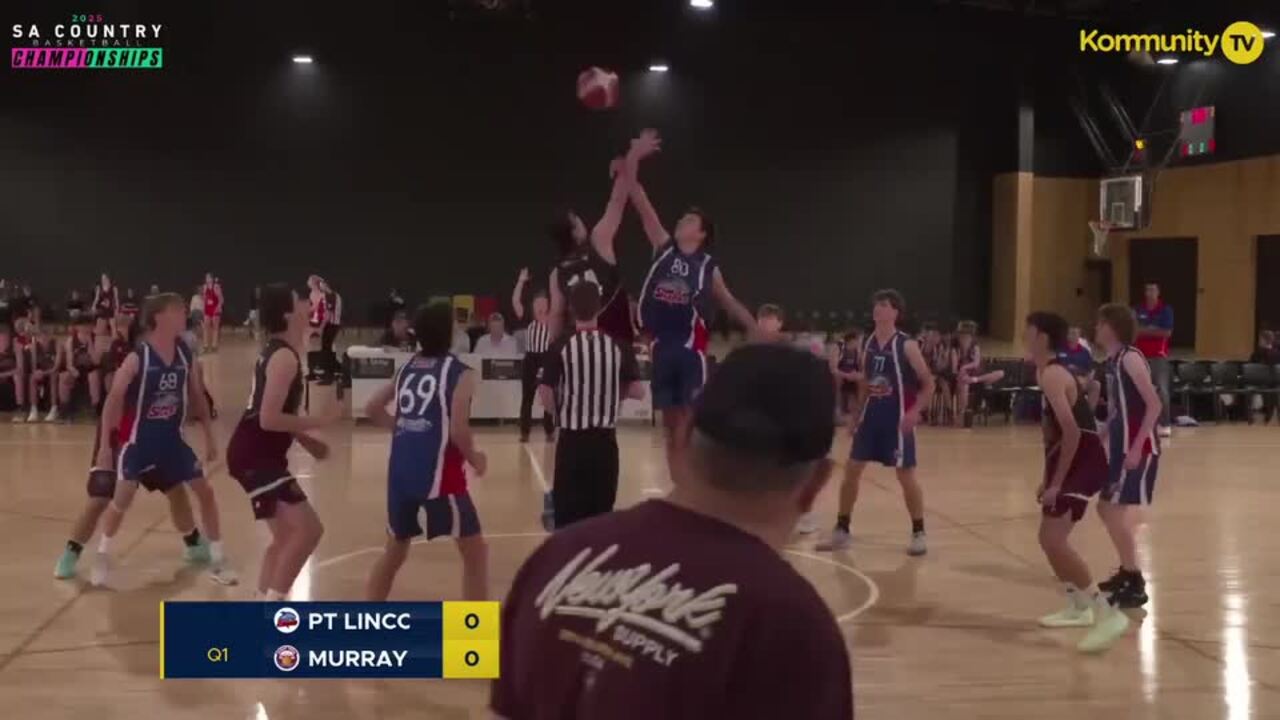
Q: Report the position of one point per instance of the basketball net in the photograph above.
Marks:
(1100, 229)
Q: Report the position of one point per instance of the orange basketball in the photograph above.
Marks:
(598, 88)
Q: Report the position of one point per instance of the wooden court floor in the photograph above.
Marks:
(951, 635)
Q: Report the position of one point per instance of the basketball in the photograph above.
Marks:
(598, 88)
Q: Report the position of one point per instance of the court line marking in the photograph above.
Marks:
(873, 590)
(537, 469)
(20, 649)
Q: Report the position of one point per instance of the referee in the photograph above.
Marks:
(586, 376)
(537, 341)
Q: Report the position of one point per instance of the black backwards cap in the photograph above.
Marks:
(772, 402)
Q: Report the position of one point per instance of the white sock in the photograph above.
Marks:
(1096, 599)
(215, 552)
(104, 545)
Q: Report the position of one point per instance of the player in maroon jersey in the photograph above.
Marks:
(590, 256)
(1075, 469)
(257, 453)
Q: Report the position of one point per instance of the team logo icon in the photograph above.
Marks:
(287, 658)
(287, 620)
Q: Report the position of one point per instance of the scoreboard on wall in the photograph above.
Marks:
(1196, 132)
(329, 640)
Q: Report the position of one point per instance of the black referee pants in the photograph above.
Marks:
(528, 389)
(586, 474)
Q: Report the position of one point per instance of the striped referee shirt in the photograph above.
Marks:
(589, 373)
(538, 337)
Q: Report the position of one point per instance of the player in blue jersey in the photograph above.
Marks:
(896, 391)
(590, 256)
(1133, 409)
(675, 304)
(101, 486)
(148, 404)
(430, 443)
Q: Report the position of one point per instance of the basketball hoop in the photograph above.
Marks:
(1100, 229)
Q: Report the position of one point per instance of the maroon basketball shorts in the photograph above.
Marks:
(1085, 478)
(264, 475)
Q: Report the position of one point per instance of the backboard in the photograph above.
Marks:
(1120, 202)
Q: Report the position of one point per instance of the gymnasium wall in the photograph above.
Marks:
(1040, 245)
(1226, 206)
(434, 164)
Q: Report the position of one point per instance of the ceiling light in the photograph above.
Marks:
(702, 4)
(1167, 61)
(659, 67)
(302, 59)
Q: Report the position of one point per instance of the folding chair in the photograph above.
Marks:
(1258, 380)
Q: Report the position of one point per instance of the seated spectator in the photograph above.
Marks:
(27, 305)
(1266, 352)
(966, 362)
(497, 343)
(1078, 356)
(75, 306)
(399, 336)
(937, 354)
(769, 320)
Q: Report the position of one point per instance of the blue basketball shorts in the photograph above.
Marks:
(881, 441)
(159, 466)
(447, 515)
(1131, 487)
(678, 375)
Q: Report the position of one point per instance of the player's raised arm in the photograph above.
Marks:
(606, 227)
(460, 422)
(113, 408)
(731, 305)
(517, 295)
(647, 143)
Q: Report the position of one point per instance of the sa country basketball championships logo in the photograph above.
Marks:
(1242, 42)
(86, 41)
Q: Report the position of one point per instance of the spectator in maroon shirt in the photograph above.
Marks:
(683, 608)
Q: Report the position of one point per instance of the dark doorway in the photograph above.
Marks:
(1171, 262)
(1267, 302)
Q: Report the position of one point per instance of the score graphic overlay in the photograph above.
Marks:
(329, 640)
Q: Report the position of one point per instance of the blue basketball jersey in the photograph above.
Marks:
(156, 401)
(891, 381)
(424, 464)
(1126, 408)
(674, 300)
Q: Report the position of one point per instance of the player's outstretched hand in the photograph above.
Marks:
(646, 144)
(316, 448)
(480, 462)
(1049, 495)
(617, 166)
(524, 275)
